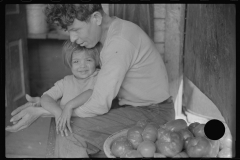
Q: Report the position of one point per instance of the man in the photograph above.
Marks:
(131, 69)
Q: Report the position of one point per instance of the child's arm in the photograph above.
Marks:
(51, 105)
(67, 111)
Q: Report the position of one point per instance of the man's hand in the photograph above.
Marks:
(25, 115)
(25, 118)
(32, 101)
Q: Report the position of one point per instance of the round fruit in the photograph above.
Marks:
(134, 136)
(186, 142)
(193, 125)
(185, 133)
(175, 125)
(120, 146)
(147, 148)
(158, 155)
(150, 132)
(198, 147)
(181, 155)
(226, 140)
(161, 131)
(132, 154)
(169, 143)
(225, 153)
(214, 148)
(198, 131)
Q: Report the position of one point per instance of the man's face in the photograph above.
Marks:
(85, 34)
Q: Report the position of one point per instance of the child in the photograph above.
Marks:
(74, 90)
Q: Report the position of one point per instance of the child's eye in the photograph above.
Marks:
(75, 61)
(89, 60)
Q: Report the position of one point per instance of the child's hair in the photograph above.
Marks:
(70, 47)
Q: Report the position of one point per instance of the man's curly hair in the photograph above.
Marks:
(63, 15)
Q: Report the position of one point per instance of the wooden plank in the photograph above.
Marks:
(174, 50)
(159, 10)
(51, 139)
(16, 58)
(210, 51)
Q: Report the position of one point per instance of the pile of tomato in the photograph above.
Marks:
(173, 139)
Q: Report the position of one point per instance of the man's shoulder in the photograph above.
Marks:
(123, 28)
(124, 31)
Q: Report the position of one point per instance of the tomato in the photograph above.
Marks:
(169, 143)
(192, 125)
(134, 135)
(147, 148)
(214, 148)
(175, 125)
(225, 153)
(158, 155)
(181, 155)
(198, 147)
(186, 134)
(150, 132)
(186, 142)
(120, 146)
(161, 131)
(132, 154)
(198, 131)
(154, 124)
(226, 140)
(142, 123)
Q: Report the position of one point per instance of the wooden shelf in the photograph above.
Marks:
(49, 35)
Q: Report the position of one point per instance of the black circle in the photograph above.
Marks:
(214, 129)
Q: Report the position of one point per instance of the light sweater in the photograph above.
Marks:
(132, 69)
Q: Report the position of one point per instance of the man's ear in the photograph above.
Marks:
(97, 17)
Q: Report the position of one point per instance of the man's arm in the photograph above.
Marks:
(116, 61)
(80, 99)
(26, 114)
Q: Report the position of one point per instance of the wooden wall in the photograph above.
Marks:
(45, 64)
(210, 55)
(16, 59)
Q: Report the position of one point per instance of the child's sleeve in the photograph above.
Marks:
(56, 92)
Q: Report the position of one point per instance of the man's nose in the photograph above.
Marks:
(73, 37)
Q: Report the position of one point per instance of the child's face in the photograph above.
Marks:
(83, 65)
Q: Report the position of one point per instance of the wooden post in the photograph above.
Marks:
(174, 51)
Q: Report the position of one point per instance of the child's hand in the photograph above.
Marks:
(57, 117)
(64, 119)
(56, 121)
